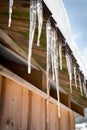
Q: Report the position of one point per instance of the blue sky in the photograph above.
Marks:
(77, 13)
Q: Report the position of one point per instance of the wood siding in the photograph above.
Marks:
(21, 109)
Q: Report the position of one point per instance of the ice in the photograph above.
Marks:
(35, 8)
(52, 59)
(40, 19)
(60, 55)
(84, 87)
(31, 31)
(52, 53)
(48, 35)
(69, 67)
(59, 14)
(56, 70)
(10, 12)
(75, 76)
(80, 83)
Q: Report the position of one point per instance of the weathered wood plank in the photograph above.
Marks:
(43, 81)
(25, 109)
(64, 121)
(7, 105)
(37, 113)
(72, 121)
(77, 108)
(0, 88)
(53, 117)
(15, 107)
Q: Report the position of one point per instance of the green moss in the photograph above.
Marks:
(21, 15)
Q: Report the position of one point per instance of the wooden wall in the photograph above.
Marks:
(21, 109)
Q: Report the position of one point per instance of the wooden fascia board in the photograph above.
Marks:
(9, 53)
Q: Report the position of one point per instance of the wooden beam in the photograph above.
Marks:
(6, 52)
(77, 108)
(65, 99)
(9, 43)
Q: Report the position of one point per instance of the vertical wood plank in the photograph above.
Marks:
(15, 107)
(43, 111)
(53, 117)
(37, 113)
(6, 111)
(0, 84)
(19, 114)
(64, 121)
(0, 89)
(25, 107)
(72, 121)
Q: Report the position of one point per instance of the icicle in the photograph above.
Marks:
(52, 54)
(75, 76)
(69, 67)
(40, 19)
(56, 69)
(60, 55)
(31, 31)
(80, 84)
(84, 87)
(10, 12)
(48, 35)
(52, 57)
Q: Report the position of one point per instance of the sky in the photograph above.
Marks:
(77, 13)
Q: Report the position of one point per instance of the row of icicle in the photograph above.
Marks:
(53, 49)
(69, 67)
(36, 8)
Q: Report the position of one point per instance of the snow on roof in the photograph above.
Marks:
(60, 16)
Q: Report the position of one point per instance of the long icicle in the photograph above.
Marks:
(80, 83)
(60, 55)
(31, 31)
(48, 35)
(56, 69)
(40, 19)
(84, 87)
(10, 12)
(75, 76)
(52, 50)
(68, 61)
(52, 54)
